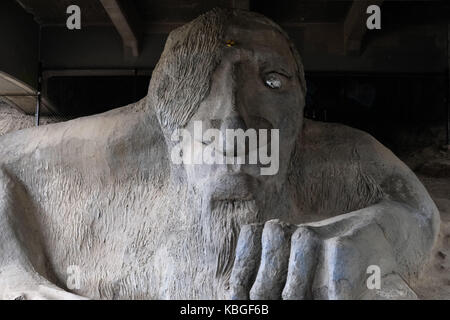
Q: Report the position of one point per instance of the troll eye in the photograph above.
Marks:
(273, 80)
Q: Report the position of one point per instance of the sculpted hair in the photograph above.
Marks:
(181, 79)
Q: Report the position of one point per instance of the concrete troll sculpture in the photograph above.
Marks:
(101, 196)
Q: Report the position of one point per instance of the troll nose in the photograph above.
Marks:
(228, 129)
(234, 123)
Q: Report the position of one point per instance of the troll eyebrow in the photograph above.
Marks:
(267, 59)
(277, 64)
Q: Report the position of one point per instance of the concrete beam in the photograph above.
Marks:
(355, 25)
(21, 95)
(125, 19)
(448, 86)
(161, 27)
(240, 4)
(46, 74)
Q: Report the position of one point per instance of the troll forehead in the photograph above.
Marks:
(182, 77)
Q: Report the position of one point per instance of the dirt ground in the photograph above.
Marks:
(432, 166)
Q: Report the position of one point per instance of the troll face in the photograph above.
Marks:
(248, 80)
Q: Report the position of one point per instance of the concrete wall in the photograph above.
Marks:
(96, 47)
(417, 49)
(18, 42)
(402, 49)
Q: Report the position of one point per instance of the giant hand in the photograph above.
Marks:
(327, 259)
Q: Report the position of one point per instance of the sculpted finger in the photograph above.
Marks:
(343, 271)
(246, 262)
(392, 287)
(305, 246)
(272, 271)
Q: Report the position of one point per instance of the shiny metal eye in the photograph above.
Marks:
(273, 81)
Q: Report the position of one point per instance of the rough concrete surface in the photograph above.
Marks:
(101, 193)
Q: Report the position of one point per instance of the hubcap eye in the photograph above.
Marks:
(273, 81)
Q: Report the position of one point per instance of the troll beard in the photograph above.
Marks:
(220, 226)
